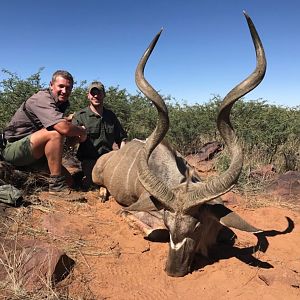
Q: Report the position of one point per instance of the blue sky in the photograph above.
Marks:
(205, 48)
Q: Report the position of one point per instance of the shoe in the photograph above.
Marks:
(59, 189)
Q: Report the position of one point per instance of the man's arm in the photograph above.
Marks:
(68, 129)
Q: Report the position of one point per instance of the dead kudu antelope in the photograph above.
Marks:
(149, 176)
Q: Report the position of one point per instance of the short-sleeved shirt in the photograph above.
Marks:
(45, 111)
(102, 131)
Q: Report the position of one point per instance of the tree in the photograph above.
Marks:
(268, 133)
(14, 91)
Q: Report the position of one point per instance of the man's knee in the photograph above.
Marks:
(43, 136)
(53, 135)
(56, 134)
(45, 142)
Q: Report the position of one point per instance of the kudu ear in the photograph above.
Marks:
(145, 203)
(230, 219)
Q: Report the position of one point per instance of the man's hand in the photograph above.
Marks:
(83, 137)
(69, 117)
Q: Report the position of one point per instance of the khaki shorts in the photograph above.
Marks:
(19, 153)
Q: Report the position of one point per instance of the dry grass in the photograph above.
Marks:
(12, 263)
(13, 258)
(264, 200)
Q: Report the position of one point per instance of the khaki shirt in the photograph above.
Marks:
(102, 131)
(44, 110)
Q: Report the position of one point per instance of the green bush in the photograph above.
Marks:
(269, 134)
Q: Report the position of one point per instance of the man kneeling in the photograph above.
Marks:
(37, 133)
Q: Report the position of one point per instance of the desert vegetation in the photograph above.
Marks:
(269, 133)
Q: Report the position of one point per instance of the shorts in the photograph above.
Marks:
(19, 154)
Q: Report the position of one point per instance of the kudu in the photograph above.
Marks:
(150, 175)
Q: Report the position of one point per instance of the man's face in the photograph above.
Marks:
(96, 97)
(61, 88)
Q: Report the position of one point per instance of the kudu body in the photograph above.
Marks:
(145, 176)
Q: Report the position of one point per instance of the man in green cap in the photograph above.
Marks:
(103, 130)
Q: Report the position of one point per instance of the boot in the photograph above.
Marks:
(58, 188)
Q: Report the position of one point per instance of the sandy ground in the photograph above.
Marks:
(114, 261)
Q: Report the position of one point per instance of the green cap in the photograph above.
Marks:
(96, 85)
